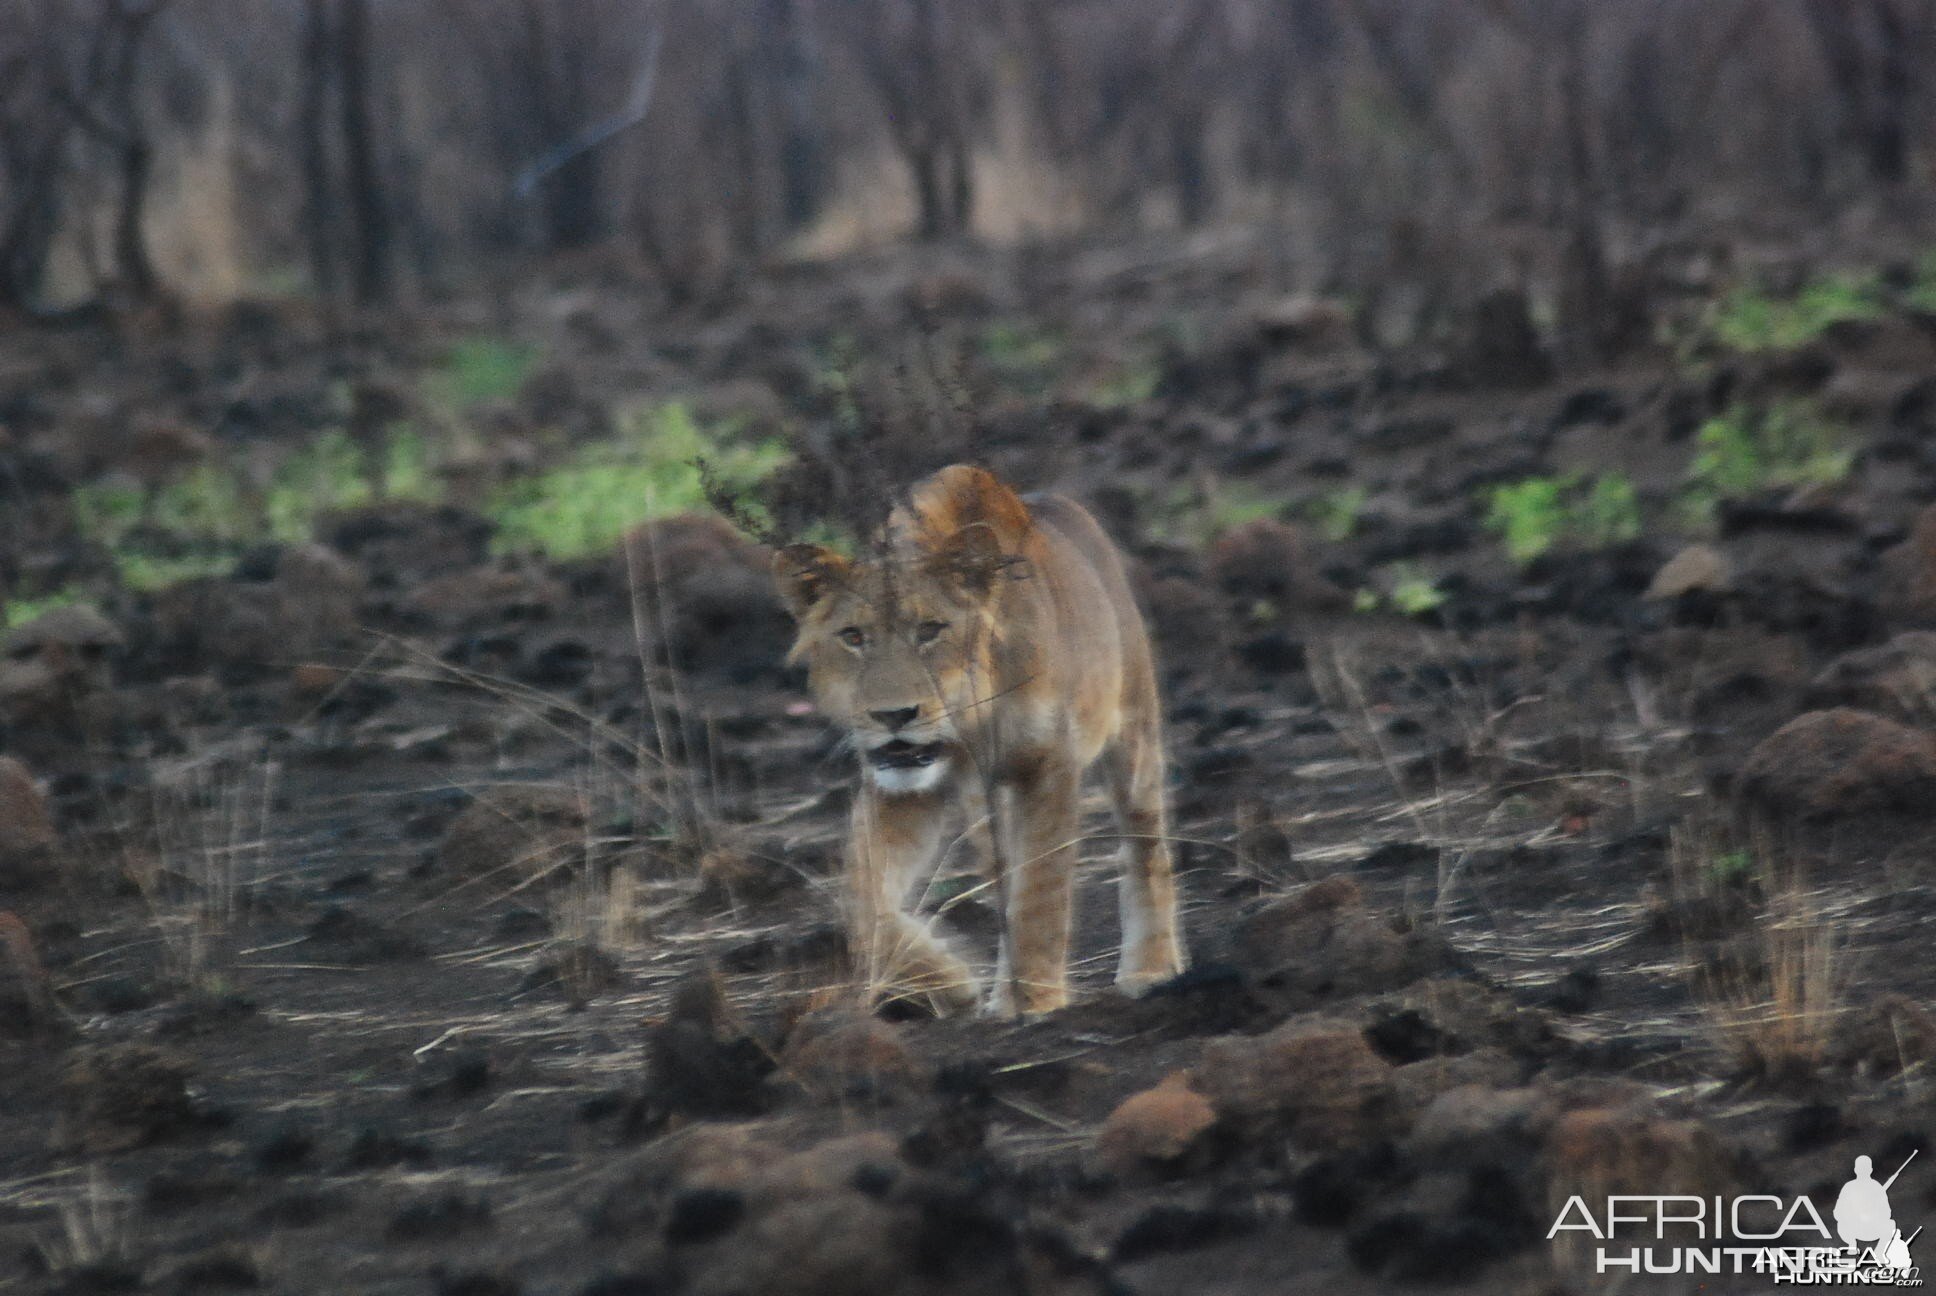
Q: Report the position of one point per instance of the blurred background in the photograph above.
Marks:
(1519, 418)
(1409, 152)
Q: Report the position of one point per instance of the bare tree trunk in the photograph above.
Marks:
(573, 202)
(1888, 133)
(133, 267)
(931, 100)
(34, 218)
(745, 200)
(1189, 170)
(791, 60)
(930, 204)
(359, 153)
(1874, 99)
(961, 180)
(319, 208)
(1585, 295)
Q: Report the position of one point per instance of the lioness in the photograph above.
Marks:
(984, 656)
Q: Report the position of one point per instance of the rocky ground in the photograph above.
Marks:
(389, 914)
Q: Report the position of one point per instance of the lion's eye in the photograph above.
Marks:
(928, 631)
(853, 637)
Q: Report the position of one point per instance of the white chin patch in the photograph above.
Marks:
(904, 780)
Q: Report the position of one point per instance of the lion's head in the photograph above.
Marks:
(898, 645)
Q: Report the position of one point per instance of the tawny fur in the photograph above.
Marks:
(982, 659)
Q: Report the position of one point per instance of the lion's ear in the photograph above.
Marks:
(973, 558)
(803, 574)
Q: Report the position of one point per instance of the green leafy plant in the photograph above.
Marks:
(1532, 515)
(481, 371)
(19, 611)
(1730, 867)
(326, 475)
(198, 525)
(1130, 384)
(650, 470)
(1414, 593)
(1194, 516)
(1408, 591)
(1749, 449)
(1608, 514)
(1922, 291)
(1335, 513)
(1023, 355)
(105, 512)
(145, 573)
(409, 467)
(1747, 318)
(1526, 515)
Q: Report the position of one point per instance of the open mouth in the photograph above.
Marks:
(901, 754)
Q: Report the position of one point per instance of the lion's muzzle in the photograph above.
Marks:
(900, 766)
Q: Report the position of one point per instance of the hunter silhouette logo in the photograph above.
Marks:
(1783, 1239)
(1864, 1222)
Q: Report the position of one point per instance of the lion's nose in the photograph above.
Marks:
(895, 717)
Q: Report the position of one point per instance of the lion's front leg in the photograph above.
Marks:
(1152, 950)
(895, 841)
(1035, 837)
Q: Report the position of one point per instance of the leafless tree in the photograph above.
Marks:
(921, 59)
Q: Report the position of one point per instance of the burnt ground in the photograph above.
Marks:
(458, 953)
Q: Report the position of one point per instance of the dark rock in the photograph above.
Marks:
(1409, 433)
(1324, 940)
(1406, 1036)
(121, 1096)
(1272, 654)
(1501, 347)
(473, 1282)
(1173, 1227)
(516, 833)
(1272, 561)
(286, 1149)
(1332, 1188)
(707, 595)
(1896, 679)
(444, 1215)
(702, 1214)
(1907, 596)
(696, 1065)
(375, 1149)
(1319, 1085)
(1841, 763)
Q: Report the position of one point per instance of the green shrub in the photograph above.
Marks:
(1749, 319)
(481, 371)
(1748, 449)
(1532, 515)
(409, 467)
(1335, 513)
(1415, 593)
(1408, 591)
(650, 470)
(1130, 384)
(1024, 356)
(1609, 514)
(209, 516)
(1526, 515)
(144, 573)
(326, 475)
(105, 512)
(1922, 291)
(19, 611)
(1194, 516)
